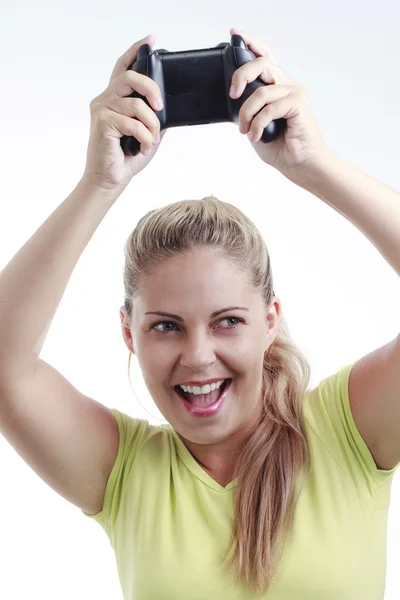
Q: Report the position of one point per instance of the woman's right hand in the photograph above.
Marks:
(113, 115)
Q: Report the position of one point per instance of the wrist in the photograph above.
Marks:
(89, 188)
(314, 170)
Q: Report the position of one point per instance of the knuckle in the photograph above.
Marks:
(148, 87)
(136, 129)
(137, 103)
(156, 125)
(144, 113)
(129, 75)
(132, 78)
(152, 130)
(265, 90)
(238, 75)
(268, 111)
(155, 89)
(235, 79)
(141, 132)
(102, 115)
(245, 115)
(149, 136)
(273, 72)
(94, 104)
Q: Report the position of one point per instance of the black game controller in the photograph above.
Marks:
(195, 87)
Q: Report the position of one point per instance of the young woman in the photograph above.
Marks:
(257, 484)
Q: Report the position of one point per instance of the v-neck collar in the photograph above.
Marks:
(196, 469)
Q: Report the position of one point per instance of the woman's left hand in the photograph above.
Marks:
(301, 145)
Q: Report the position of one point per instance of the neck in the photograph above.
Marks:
(219, 459)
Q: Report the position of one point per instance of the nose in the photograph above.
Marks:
(198, 351)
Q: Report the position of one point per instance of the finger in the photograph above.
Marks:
(135, 108)
(257, 101)
(256, 45)
(262, 68)
(130, 81)
(129, 57)
(117, 125)
(281, 109)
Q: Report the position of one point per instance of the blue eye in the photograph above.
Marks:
(154, 326)
(232, 319)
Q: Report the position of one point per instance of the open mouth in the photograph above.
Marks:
(204, 405)
(202, 399)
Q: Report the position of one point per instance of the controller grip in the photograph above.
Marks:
(273, 130)
(130, 145)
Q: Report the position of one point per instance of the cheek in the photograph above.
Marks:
(249, 363)
(155, 361)
(249, 352)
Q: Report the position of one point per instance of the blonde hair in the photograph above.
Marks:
(277, 451)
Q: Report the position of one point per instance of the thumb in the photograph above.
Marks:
(150, 39)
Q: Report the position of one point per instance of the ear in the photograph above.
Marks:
(126, 329)
(273, 318)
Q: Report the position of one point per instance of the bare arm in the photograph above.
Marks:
(68, 439)
(33, 282)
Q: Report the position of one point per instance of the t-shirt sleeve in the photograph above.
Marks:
(133, 433)
(332, 420)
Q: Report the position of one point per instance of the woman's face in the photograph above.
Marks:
(198, 346)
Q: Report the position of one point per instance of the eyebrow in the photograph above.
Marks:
(178, 318)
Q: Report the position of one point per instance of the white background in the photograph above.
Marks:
(339, 295)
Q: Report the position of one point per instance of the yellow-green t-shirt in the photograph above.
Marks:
(169, 522)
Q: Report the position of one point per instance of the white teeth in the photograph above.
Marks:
(205, 389)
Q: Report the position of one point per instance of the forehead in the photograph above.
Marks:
(200, 278)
